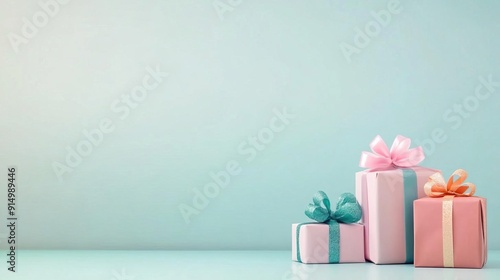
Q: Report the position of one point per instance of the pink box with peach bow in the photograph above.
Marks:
(450, 224)
(469, 232)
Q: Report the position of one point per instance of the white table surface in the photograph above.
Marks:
(260, 265)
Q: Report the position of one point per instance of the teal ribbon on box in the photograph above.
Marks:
(410, 194)
(348, 211)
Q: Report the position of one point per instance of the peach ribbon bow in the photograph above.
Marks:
(436, 187)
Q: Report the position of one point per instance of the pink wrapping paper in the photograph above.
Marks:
(313, 242)
(381, 195)
(469, 232)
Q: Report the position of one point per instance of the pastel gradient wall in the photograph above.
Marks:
(210, 124)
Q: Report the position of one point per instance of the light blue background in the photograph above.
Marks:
(226, 78)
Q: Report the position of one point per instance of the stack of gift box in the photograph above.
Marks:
(401, 213)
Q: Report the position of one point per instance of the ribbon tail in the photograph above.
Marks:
(297, 241)
(334, 242)
(447, 220)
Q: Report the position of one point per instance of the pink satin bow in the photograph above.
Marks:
(400, 154)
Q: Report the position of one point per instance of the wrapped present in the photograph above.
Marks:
(386, 191)
(335, 238)
(450, 224)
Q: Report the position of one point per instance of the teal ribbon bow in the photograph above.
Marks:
(347, 211)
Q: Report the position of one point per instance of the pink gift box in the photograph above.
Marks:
(388, 212)
(314, 240)
(469, 232)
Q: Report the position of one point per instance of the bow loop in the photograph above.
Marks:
(379, 147)
(436, 186)
(400, 144)
(321, 198)
(347, 210)
(317, 213)
(399, 155)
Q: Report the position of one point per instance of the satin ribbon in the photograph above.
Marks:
(410, 194)
(400, 154)
(347, 211)
(437, 188)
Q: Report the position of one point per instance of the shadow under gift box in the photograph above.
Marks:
(469, 232)
(314, 243)
(386, 198)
